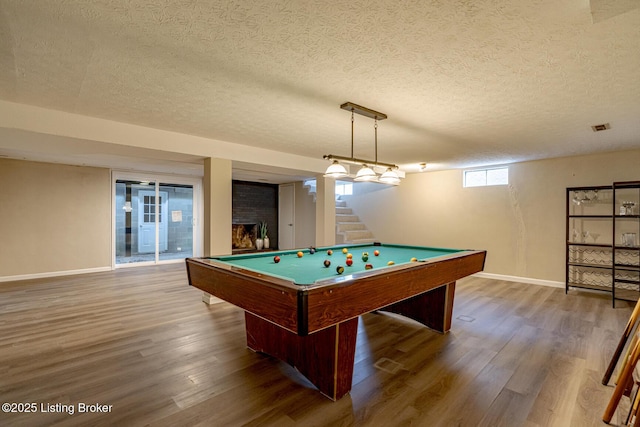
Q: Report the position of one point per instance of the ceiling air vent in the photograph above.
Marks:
(598, 128)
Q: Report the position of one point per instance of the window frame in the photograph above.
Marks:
(486, 170)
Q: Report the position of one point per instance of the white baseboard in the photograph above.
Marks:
(102, 269)
(518, 279)
(53, 274)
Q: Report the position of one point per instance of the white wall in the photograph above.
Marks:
(522, 225)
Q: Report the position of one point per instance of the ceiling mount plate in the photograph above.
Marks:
(364, 111)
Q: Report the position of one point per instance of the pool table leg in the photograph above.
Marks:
(433, 308)
(325, 357)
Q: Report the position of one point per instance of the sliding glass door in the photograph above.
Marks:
(155, 219)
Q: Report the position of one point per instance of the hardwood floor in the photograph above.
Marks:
(142, 341)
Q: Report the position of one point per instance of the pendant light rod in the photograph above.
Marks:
(355, 161)
(336, 170)
(375, 127)
(351, 133)
(364, 111)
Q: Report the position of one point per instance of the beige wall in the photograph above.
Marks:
(217, 190)
(522, 225)
(53, 218)
(57, 218)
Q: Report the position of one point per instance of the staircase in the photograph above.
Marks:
(349, 229)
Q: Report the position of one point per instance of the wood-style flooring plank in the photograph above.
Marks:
(142, 341)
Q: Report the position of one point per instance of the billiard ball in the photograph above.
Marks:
(349, 261)
(300, 254)
(276, 259)
(368, 266)
(390, 263)
(345, 250)
(376, 252)
(327, 263)
(329, 252)
(365, 257)
(349, 256)
(414, 259)
(340, 269)
(312, 250)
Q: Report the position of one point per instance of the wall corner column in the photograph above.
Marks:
(217, 187)
(325, 211)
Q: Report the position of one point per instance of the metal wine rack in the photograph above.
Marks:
(603, 239)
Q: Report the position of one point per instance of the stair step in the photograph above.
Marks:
(344, 211)
(357, 235)
(347, 218)
(341, 204)
(347, 226)
(358, 241)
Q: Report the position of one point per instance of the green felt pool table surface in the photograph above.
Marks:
(310, 268)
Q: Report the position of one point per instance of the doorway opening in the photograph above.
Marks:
(155, 220)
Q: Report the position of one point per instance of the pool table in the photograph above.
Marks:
(306, 314)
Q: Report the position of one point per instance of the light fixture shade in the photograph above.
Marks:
(365, 174)
(336, 170)
(389, 177)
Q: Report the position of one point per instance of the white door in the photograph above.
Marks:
(148, 213)
(286, 209)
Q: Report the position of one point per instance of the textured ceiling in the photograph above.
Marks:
(464, 83)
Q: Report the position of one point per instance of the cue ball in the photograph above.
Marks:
(414, 259)
(349, 262)
(376, 252)
(390, 263)
(276, 259)
(345, 250)
(329, 252)
(300, 254)
(340, 269)
(327, 263)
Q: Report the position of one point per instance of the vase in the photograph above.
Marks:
(259, 244)
(266, 243)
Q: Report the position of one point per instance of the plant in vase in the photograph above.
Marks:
(263, 234)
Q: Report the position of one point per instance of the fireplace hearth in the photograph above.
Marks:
(243, 237)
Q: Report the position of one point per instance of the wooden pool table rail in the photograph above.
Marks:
(314, 328)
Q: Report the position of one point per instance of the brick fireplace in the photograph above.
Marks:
(253, 203)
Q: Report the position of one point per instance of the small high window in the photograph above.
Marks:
(484, 177)
(344, 188)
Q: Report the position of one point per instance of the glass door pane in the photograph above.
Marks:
(175, 220)
(154, 222)
(136, 214)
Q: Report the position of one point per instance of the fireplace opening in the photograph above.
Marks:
(243, 237)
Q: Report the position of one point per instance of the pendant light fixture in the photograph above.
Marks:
(367, 171)
(366, 174)
(389, 177)
(336, 170)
